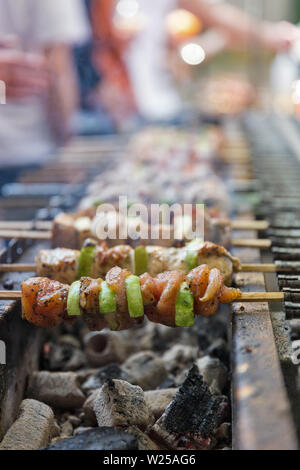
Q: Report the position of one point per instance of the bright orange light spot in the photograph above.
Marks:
(181, 24)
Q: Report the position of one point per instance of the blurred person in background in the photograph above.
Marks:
(36, 37)
(92, 118)
(152, 26)
(115, 91)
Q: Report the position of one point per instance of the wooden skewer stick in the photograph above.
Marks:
(246, 296)
(46, 225)
(250, 225)
(10, 295)
(25, 225)
(252, 243)
(17, 268)
(46, 235)
(261, 297)
(245, 268)
(254, 268)
(26, 234)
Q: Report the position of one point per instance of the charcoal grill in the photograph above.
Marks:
(265, 398)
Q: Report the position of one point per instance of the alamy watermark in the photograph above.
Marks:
(2, 92)
(296, 352)
(148, 222)
(2, 353)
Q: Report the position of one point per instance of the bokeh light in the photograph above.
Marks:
(127, 8)
(182, 24)
(296, 92)
(192, 54)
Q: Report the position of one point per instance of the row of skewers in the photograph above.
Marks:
(165, 165)
(192, 280)
(71, 230)
(171, 283)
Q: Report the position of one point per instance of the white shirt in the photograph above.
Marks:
(25, 135)
(155, 94)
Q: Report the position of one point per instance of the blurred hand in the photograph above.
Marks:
(117, 100)
(279, 36)
(25, 75)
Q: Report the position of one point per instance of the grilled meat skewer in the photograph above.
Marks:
(171, 298)
(71, 230)
(65, 265)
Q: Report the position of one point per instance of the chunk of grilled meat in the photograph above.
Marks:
(44, 301)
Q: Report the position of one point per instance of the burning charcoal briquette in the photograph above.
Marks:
(33, 429)
(103, 438)
(57, 389)
(119, 403)
(193, 417)
(104, 348)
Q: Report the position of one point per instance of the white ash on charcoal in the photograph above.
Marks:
(193, 417)
(180, 357)
(158, 400)
(111, 371)
(214, 373)
(121, 404)
(103, 348)
(146, 370)
(103, 438)
(58, 389)
(33, 428)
